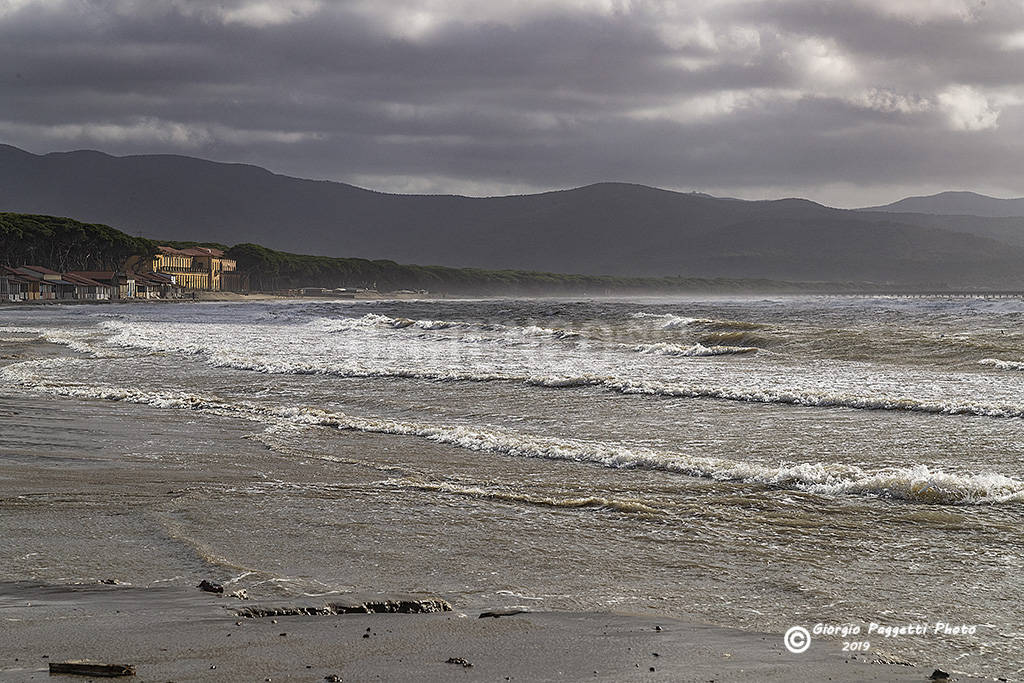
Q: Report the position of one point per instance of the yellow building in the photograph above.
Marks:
(193, 268)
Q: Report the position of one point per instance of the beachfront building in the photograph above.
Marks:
(121, 285)
(13, 287)
(156, 286)
(202, 268)
(35, 288)
(87, 289)
(51, 284)
(36, 283)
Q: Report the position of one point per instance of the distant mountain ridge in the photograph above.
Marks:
(957, 204)
(608, 228)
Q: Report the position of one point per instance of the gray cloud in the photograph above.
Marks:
(847, 103)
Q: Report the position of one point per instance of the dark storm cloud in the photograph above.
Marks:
(846, 102)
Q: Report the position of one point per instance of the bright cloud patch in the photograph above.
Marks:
(968, 109)
(153, 132)
(268, 13)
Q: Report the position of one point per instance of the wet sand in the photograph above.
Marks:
(182, 635)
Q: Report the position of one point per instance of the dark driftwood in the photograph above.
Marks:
(87, 668)
(494, 614)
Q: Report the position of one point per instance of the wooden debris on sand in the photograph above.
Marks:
(84, 667)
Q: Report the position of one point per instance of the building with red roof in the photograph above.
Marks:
(201, 268)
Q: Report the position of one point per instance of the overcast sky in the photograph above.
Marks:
(850, 103)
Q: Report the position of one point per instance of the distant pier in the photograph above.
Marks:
(943, 294)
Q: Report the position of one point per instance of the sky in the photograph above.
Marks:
(850, 103)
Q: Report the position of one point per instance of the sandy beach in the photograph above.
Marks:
(181, 635)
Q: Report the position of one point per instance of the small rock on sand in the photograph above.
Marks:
(210, 586)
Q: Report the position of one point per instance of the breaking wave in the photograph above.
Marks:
(785, 396)
(1003, 364)
(535, 331)
(697, 350)
(916, 483)
(553, 372)
(670, 321)
(826, 399)
(861, 398)
(374, 320)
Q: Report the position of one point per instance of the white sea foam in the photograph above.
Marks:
(668, 320)
(815, 398)
(386, 353)
(695, 350)
(671, 321)
(374, 320)
(370, 358)
(1003, 364)
(535, 331)
(916, 483)
(33, 332)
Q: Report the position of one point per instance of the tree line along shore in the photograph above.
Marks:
(64, 245)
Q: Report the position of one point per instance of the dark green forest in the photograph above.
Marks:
(270, 270)
(63, 244)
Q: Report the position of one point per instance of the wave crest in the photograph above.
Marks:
(669, 321)
(375, 320)
(697, 350)
(1002, 364)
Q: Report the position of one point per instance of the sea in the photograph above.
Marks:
(757, 462)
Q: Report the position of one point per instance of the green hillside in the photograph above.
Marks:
(64, 244)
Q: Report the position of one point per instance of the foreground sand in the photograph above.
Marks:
(187, 635)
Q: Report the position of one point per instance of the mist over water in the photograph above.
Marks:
(752, 462)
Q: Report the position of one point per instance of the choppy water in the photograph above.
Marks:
(753, 462)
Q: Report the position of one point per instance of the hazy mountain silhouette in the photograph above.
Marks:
(608, 228)
(957, 204)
